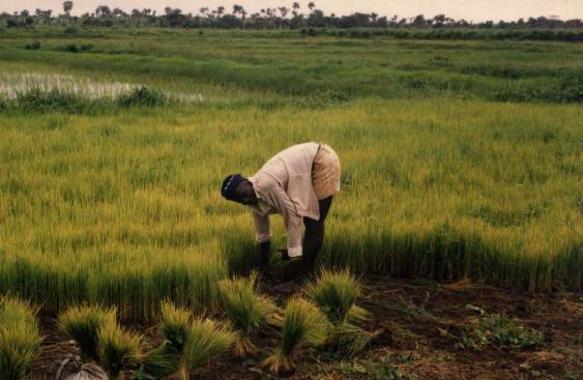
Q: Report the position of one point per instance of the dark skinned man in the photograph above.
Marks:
(298, 183)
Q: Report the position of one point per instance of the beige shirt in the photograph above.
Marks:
(284, 186)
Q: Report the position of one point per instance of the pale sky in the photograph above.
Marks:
(477, 10)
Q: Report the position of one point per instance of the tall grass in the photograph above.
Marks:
(123, 209)
(19, 338)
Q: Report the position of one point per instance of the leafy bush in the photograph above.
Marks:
(83, 324)
(143, 96)
(500, 331)
(34, 45)
(118, 348)
(303, 324)
(36, 100)
(246, 311)
(19, 338)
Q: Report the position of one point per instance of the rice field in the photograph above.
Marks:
(121, 206)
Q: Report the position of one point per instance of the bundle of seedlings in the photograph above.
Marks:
(100, 340)
(19, 338)
(189, 343)
(246, 310)
(303, 324)
(336, 293)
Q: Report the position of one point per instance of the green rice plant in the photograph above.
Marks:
(83, 324)
(190, 342)
(175, 326)
(246, 311)
(303, 324)
(118, 349)
(19, 338)
(158, 363)
(206, 340)
(336, 293)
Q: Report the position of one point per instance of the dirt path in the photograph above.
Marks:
(424, 328)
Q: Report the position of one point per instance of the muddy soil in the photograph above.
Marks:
(421, 328)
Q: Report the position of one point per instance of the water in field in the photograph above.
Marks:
(13, 84)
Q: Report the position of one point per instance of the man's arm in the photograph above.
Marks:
(293, 222)
(263, 238)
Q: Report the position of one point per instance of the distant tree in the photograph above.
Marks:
(68, 7)
(220, 10)
(311, 5)
(419, 21)
(296, 8)
(102, 11)
(237, 9)
(283, 11)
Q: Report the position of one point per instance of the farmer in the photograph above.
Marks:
(298, 183)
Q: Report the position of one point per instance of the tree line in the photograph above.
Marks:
(295, 16)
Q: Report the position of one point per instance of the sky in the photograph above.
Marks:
(476, 10)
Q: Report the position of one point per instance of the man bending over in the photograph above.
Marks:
(298, 183)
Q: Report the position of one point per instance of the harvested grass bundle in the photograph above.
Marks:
(246, 311)
(189, 342)
(118, 349)
(336, 293)
(83, 324)
(303, 324)
(19, 338)
(206, 340)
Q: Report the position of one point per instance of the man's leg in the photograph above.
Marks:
(314, 237)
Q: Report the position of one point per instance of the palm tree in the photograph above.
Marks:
(296, 8)
(283, 11)
(68, 7)
(220, 10)
(311, 5)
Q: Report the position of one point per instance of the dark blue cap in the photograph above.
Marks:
(230, 185)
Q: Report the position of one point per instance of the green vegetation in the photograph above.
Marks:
(19, 338)
(336, 293)
(192, 341)
(118, 348)
(460, 159)
(246, 310)
(83, 324)
(303, 324)
(502, 332)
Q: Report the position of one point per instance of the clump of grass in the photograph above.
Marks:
(83, 325)
(143, 96)
(246, 311)
(175, 326)
(189, 342)
(118, 348)
(336, 293)
(206, 340)
(303, 324)
(158, 363)
(19, 338)
(500, 331)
